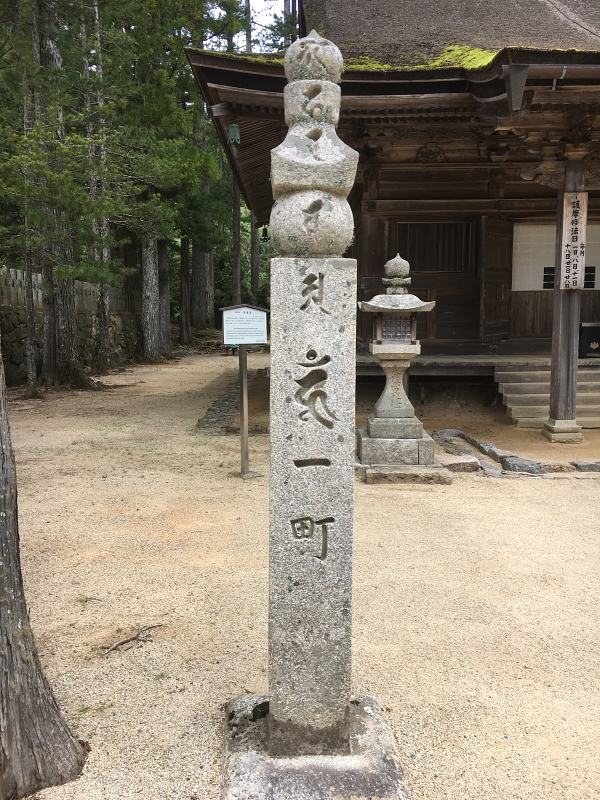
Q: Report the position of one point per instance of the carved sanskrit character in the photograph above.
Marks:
(313, 291)
(313, 396)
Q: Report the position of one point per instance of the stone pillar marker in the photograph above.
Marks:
(309, 738)
(313, 319)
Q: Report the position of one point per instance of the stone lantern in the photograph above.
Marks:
(394, 436)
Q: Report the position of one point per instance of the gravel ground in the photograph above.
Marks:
(476, 604)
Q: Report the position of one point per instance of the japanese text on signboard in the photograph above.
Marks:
(572, 263)
(244, 325)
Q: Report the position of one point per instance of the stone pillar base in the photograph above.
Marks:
(562, 431)
(394, 451)
(371, 770)
(394, 427)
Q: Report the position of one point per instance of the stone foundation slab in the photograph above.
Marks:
(386, 473)
(371, 770)
(394, 451)
(562, 438)
(386, 451)
(562, 426)
(458, 463)
(426, 449)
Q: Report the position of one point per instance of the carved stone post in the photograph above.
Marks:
(307, 739)
(394, 402)
(313, 320)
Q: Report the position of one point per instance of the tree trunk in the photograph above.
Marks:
(68, 364)
(49, 342)
(236, 264)
(286, 19)
(30, 343)
(209, 290)
(150, 300)
(185, 329)
(100, 227)
(197, 299)
(248, 27)
(61, 357)
(206, 290)
(254, 258)
(29, 309)
(164, 298)
(37, 748)
(103, 329)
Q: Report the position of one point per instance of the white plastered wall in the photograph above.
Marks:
(533, 249)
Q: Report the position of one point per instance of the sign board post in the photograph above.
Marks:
(244, 325)
(561, 425)
(572, 256)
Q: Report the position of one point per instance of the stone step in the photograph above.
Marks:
(531, 422)
(543, 388)
(526, 399)
(543, 375)
(541, 411)
(524, 388)
(517, 412)
(583, 399)
(538, 422)
(524, 376)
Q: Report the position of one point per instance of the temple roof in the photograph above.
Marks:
(248, 90)
(428, 33)
(451, 61)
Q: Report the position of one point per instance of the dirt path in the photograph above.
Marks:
(476, 605)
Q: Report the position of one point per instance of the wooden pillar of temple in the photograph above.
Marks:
(370, 252)
(568, 282)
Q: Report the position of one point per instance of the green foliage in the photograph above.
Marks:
(110, 144)
(280, 32)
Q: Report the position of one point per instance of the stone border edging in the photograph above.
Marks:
(511, 462)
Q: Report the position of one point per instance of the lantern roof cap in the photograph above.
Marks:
(396, 303)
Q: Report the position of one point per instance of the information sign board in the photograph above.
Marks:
(572, 257)
(244, 325)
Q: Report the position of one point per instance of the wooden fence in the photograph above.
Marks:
(12, 294)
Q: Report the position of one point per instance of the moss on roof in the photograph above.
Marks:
(252, 58)
(450, 34)
(455, 56)
(462, 56)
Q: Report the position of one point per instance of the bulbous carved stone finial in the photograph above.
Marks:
(313, 58)
(312, 170)
(397, 267)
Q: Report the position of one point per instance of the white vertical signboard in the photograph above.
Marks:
(244, 325)
(572, 259)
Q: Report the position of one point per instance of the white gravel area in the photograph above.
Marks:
(476, 619)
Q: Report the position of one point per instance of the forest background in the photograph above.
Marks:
(111, 170)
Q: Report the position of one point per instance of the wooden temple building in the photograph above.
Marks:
(466, 115)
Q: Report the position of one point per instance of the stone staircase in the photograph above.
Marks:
(525, 392)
